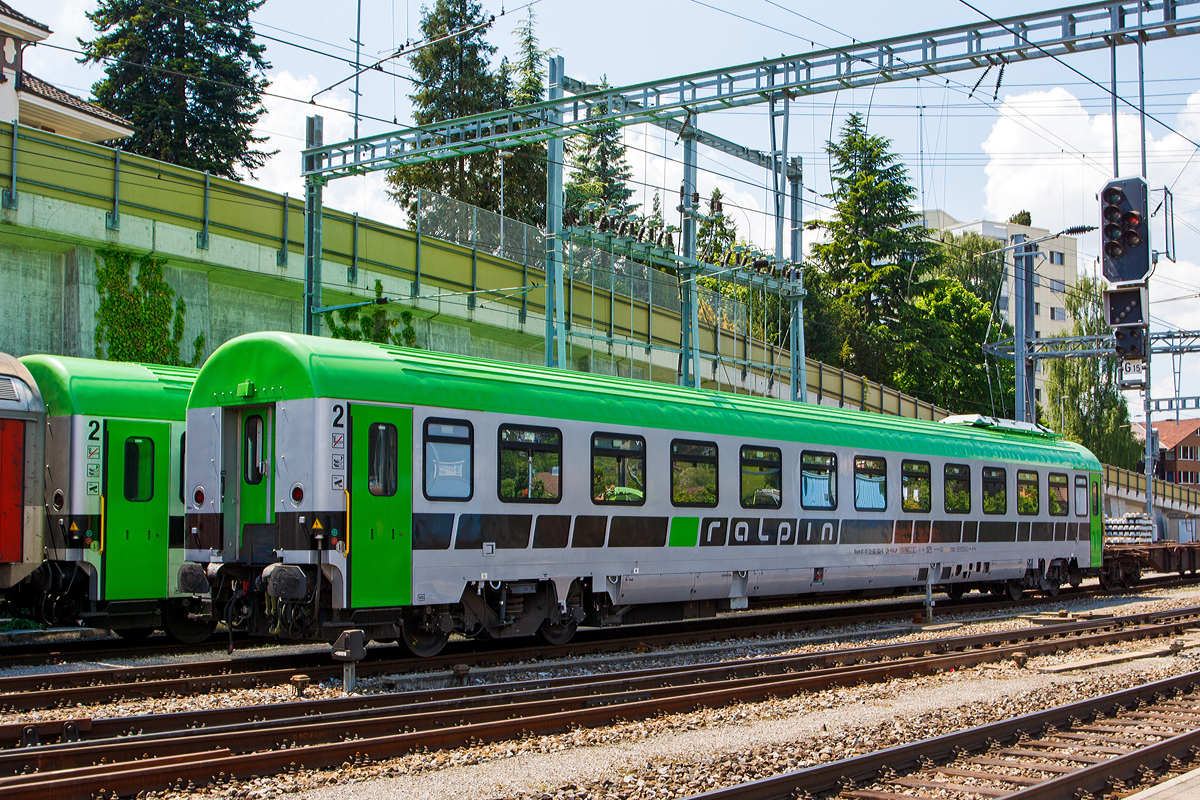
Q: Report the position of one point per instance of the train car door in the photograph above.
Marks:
(137, 470)
(256, 485)
(12, 489)
(380, 509)
(1097, 527)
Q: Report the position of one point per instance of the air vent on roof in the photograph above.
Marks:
(7, 390)
(1007, 425)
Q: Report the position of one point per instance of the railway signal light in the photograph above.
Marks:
(1131, 343)
(1126, 307)
(1125, 245)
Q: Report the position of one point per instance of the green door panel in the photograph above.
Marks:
(380, 547)
(137, 515)
(256, 481)
(1097, 522)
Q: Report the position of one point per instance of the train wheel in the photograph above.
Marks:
(1013, 590)
(956, 590)
(421, 641)
(178, 626)
(558, 634)
(1052, 589)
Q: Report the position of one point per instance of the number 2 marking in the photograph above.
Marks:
(338, 411)
(94, 430)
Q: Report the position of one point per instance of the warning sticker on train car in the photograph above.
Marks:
(93, 451)
(339, 483)
(339, 440)
(93, 470)
(93, 488)
(339, 461)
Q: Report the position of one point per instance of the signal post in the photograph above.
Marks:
(1127, 262)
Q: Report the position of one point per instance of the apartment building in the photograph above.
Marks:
(1055, 266)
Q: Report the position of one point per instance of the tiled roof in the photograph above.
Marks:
(8, 11)
(1172, 433)
(35, 85)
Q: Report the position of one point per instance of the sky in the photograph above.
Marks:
(1044, 144)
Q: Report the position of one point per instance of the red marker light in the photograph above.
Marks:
(297, 494)
(198, 496)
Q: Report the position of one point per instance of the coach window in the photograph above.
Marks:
(253, 469)
(618, 469)
(693, 473)
(139, 469)
(995, 490)
(1081, 496)
(1028, 501)
(870, 484)
(762, 477)
(382, 457)
(1059, 497)
(530, 464)
(449, 453)
(957, 486)
(915, 487)
(818, 480)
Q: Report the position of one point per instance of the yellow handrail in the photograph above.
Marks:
(347, 493)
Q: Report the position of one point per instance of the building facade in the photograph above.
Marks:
(1055, 267)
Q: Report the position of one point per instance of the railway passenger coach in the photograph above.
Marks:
(335, 484)
(112, 517)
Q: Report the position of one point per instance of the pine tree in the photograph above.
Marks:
(601, 173)
(456, 80)
(1083, 395)
(876, 256)
(525, 167)
(188, 76)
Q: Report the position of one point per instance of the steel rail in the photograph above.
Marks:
(51, 690)
(831, 777)
(307, 741)
(1050, 635)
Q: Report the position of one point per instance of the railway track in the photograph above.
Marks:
(1093, 747)
(101, 685)
(129, 755)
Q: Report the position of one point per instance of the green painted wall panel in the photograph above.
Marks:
(685, 531)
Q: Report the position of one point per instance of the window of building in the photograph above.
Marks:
(818, 480)
(957, 486)
(1037, 307)
(870, 483)
(382, 457)
(1028, 502)
(995, 490)
(1058, 314)
(1186, 452)
(1002, 302)
(693, 473)
(252, 470)
(530, 464)
(1056, 258)
(1058, 496)
(618, 469)
(1081, 496)
(762, 477)
(916, 486)
(449, 458)
(1057, 286)
(139, 469)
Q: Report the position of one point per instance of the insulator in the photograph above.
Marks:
(604, 226)
(670, 244)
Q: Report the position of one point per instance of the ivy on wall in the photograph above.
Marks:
(139, 319)
(374, 326)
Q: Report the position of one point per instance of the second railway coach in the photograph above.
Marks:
(413, 494)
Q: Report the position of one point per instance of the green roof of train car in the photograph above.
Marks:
(111, 388)
(264, 367)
